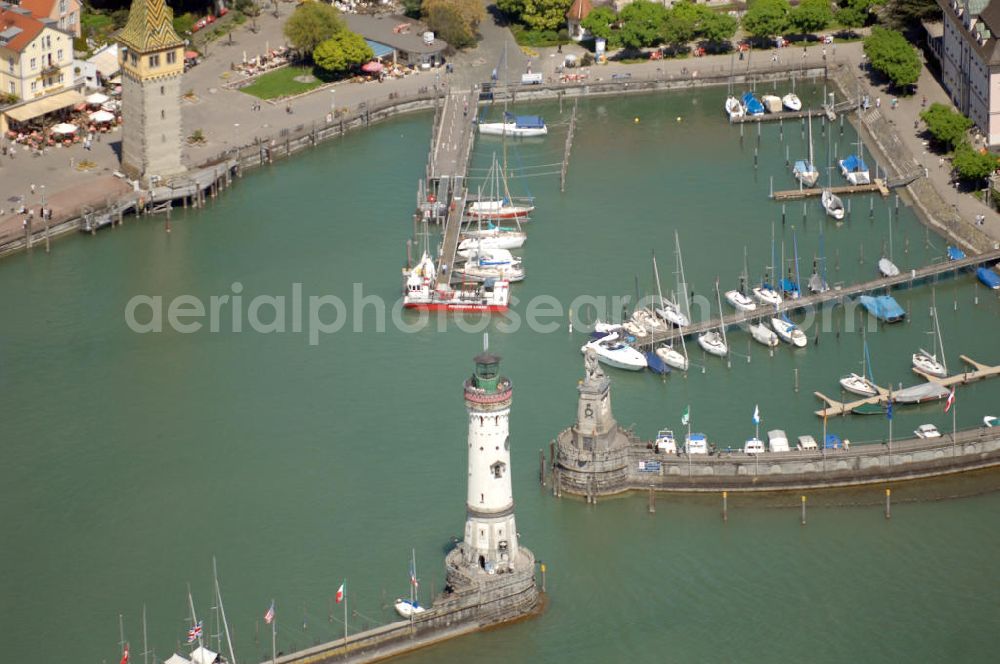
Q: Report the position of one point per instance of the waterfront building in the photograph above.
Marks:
(151, 56)
(36, 56)
(970, 61)
(578, 11)
(66, 13)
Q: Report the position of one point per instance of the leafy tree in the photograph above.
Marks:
(971, 164)
(455, 20)
(598, 22)
(642, 23)
(946, 126)
(248, 7)
(411, 8)
(311, 24)
(890, 53)
(717, 28)
(854, 13)
(811, 16)
(341, 52)
(537, 14)
(680, 25)
(902, 13)
(766, 18)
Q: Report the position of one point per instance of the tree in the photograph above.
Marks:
(890, 53)
(311, 24)
(766, 18)
(341, 52)
(946, 126)
(854, 13)
(455, 20)
(811, 16)
(680, 25)
(537, 14)
(717, 28)
(971, 164)
(642, 23)
(902, 13)
(598, 22)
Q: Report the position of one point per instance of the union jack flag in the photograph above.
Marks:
(413, 577)
(195, 632)
(269, 614)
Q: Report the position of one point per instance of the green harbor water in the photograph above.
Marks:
(131, 459)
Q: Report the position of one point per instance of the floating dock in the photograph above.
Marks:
(836, 294)
(878, 185)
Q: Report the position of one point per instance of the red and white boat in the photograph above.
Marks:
(502, 209)
(421, 291)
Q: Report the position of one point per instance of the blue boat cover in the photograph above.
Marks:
(789, 286)
(884, 307)
(803, 166)
(655, 364)
(752, 104)
(955, 254)
(527, 121)
(989, 277)
(854, 164)
(833, 441)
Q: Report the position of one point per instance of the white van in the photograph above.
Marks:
(777, 441)
(807, 443)
(753, 446)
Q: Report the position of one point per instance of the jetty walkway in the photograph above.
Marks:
(835, 294)
(447, 166)
(878, 185)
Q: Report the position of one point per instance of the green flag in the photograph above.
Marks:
(686, 416)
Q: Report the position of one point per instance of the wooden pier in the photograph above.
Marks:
(827, 111)
(978, 372)
(878, 185)
(834, 295)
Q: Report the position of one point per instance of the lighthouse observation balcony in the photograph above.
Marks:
(477, 395)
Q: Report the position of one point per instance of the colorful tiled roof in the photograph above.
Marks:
(18, 29)
(39, 8)
(579, 10)
(150, 27)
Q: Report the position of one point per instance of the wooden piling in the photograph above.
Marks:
(652, 501)
(888, 503)
(725, 506)
(541, 467)
(804, 509)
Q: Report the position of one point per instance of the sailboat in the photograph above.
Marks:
(928, 363)
(739, 298)
(518, 126)
(788, 331)
(499, 204)
(666, 353)
(832, 205)
(817, 280)
(853, 167)
(864, 384)
(885, 265)
(790, 287)
(669, 310)
(763, 334)
(804, 170)
(734, 108)
(714, 341)
(492, 264)
(792, 102)
(765, 293)
(751, 104)
(407, 608)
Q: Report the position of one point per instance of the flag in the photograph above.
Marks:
(686, 417)
(269, 614)
(888, 410)
(756, 415)
(951, 400)
(125, 655)
(340, 593)
(413, 577)
(195, 632)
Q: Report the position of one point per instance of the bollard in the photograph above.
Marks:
(725, 506)
(888, 503)
(542, 565)
(782, 214)
(652, 501)
(804, 505)
(796, 373)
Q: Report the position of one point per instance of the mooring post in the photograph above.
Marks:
(888, 503)
(725, 506)
(782, 214)
(541, 467)
(796, 375)
(652, 501)
(804, 505)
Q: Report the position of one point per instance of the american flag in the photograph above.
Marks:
(195, 632)
(269, 614)
(951, 400)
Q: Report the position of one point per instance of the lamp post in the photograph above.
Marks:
(333, 102)
(236, 138)
(45, 218)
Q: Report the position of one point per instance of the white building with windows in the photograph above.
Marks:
(36, 56)
(970, 61)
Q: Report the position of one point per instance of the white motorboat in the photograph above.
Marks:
(772, 103)
(767, 295)
(832, 205)
(763, 334)
(407, 608)
(777, 441)
(928, 363)
(665, 442)
(712, 343)
(753, 446)
(471, 246)
(740, 300)
(927, 431)
(859, 385)
(672, 313)
(498, 209)
(792, 102)
(522, 126)
(635, 329)
(789, 332)
(734, 108)
(606, 328)
(672, 358)
(887, 268)
(696, 443)
(614, 353)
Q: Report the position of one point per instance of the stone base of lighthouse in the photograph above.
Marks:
(586, 471)
(473, 594)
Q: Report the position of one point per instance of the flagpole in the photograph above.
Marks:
(954, 430)
(274, 635)
(345, 616)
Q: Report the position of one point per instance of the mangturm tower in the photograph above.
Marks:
(490, 560)
(152, 63)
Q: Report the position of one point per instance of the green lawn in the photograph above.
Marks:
(281, 83)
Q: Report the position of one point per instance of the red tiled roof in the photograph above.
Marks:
(39, 8)
(30, 27)
(579, 9)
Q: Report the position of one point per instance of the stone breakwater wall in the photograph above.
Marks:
(972, 449)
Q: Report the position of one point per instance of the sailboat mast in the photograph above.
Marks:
(722, 325)
(795, 246)
(413, 576)
(937, 330)
(121, 633)
(656, 274)
(683, 282)
(222, 613)
(194, 616)
(811, 162)
(145, 643)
